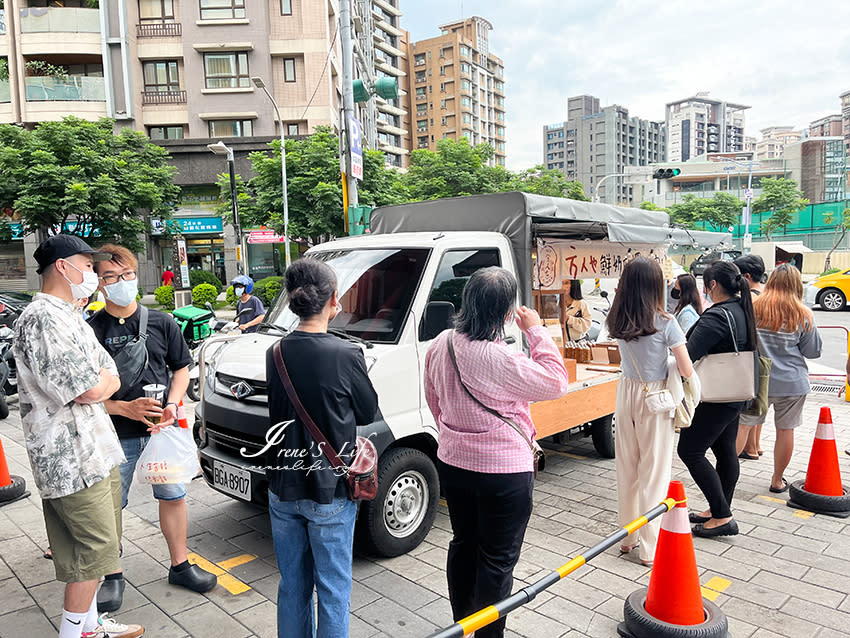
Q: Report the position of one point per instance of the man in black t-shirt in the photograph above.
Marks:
(243, 286)
(168, 364)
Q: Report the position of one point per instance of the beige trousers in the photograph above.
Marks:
(644, 446)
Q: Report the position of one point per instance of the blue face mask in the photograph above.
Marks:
(122, 293)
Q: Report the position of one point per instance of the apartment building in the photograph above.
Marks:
(845, 119)
(458, 88)
(699, 124)
(819, 166)
(773, 141)
(597, 142)
(828, 126)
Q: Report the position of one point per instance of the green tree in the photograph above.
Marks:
(783, 199)
(648, 205)
(842, 225)
(542, 181)
(79, 176)
(721, 210)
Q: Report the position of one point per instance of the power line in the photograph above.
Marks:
(324, 68)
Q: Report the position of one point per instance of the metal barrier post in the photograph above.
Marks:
(847, 352)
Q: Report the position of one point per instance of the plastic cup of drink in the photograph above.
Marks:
(155, 391)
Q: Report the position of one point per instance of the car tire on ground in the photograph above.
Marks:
(13, 490)
(832, 300)
(602, 433)
(404, 509)
(194, 389)
(641, 625)
(818, 502)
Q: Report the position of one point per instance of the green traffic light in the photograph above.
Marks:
(676, 171)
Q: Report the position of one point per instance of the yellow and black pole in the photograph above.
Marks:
(525, 595)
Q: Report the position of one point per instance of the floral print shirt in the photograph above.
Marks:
(71, 446)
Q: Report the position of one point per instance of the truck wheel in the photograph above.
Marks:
(641, 625)
(602, 433)
(194, 389)
(404, 509)
(832, 299)
(4, 407)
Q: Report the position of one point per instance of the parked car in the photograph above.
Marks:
(701, 263)
(830, 291)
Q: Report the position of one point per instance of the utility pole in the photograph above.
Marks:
(347, 94)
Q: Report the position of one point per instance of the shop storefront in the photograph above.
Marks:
(13, 266)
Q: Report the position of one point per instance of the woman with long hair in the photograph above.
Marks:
(787, 336)
(715, 425)
(646, 334)
(575, 312)
(689, 306)
(486, 465)
(312, 518)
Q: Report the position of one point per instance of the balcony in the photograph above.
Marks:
(5, 92)
(163, 97)
(159, 30)
(40, 27)
(76, 88)
(2, 21)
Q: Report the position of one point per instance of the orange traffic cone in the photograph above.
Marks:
(12, 488)
(822, 491)
(673, 603)
(182, 421)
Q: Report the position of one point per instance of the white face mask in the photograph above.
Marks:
(239, 291)
(85, 289)
(122, 293)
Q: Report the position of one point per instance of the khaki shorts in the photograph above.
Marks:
(83, 530)
(787, 413)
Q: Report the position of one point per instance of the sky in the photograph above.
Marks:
(788, 60)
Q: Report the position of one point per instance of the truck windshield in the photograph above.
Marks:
(376, 288)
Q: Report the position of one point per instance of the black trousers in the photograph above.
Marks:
(715, 426)
(489, 514)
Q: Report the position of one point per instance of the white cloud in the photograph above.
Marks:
(787, 60)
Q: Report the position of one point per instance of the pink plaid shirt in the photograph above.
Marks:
(502, 379)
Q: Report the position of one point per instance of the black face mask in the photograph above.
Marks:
(675, 293)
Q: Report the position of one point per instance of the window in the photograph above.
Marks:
(222, 9)
(465, 101)
(231, 128)
(289, 69)
(455, 269)
(161, 77)
(286, 7)
(226, 70)
(467, 119)
(444, 121)
(442, 104)
(465, 85)
(291, 130)
(159, 10)
(165, 132)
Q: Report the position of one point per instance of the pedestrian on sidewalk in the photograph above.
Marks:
(243, 286)
(168, 360)
(167, 276)
(479, 390)
(787, 336)
(688, 304)
(645, 334)
(312, 517)
(64, 376)
(748, 443)
(715, 425)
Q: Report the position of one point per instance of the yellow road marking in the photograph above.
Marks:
(443, 502)
(711, 595)
(206, 565)
(718, 584)
(770, 498)
(803, 514)
(232, 584)
(567, 454)
(230, 563)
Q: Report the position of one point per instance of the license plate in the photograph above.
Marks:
(232, 480)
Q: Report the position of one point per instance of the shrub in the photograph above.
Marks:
(830, 272)
(230, 297)
(164, 296)
(203, 294)
(205, 277)
(267, 289)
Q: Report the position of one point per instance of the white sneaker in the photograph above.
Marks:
(111, 628)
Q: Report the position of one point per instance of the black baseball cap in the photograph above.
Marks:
(62, 246)
(751, 265)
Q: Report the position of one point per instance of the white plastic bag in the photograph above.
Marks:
(169, 457)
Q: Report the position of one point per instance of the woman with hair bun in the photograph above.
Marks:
(311, 515)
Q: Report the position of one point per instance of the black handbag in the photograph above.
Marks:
(132, 359)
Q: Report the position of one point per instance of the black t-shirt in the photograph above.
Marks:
(257, 307)
(167, 352)
(329, 375)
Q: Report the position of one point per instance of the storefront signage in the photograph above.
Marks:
(189, 225)
(558, 261)
(264, 237)
(68, 227)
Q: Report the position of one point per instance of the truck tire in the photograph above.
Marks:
(194, 390)
(641, 625)
(602, 433)
(404, 509)
(13, 490)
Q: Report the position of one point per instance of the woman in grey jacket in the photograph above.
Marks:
(788, 336)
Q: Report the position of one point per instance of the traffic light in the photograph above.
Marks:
(665, 173)
(386, 88)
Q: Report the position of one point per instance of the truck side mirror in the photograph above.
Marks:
(439, 316)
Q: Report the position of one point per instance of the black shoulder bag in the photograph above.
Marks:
(132, 359)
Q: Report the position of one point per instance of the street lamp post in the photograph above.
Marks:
(258, 82)
(219, 148)
(749, 195)
(599, 183)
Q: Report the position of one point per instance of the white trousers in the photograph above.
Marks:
(644, 446)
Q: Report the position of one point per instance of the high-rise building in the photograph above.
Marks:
(774, 139)
(845, 119)
(697, 125)
(818, 165)
(458, 88)
(828, 126)
(596, 142)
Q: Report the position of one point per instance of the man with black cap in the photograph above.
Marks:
(64, 375)
(749, 427)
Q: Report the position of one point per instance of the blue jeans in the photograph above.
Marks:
(133, 450)
(313, 543)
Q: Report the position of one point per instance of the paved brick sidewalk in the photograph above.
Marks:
(786, 574)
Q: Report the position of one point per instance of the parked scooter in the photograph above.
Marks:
(8, 374)
(598, 331)
(216, 326)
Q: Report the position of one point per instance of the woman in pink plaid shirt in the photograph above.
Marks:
(486, 466)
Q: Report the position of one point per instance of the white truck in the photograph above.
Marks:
(399, 287)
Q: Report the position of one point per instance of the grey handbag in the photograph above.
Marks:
(132, 359)
(722, 375)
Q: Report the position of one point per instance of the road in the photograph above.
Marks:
(834, 341)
